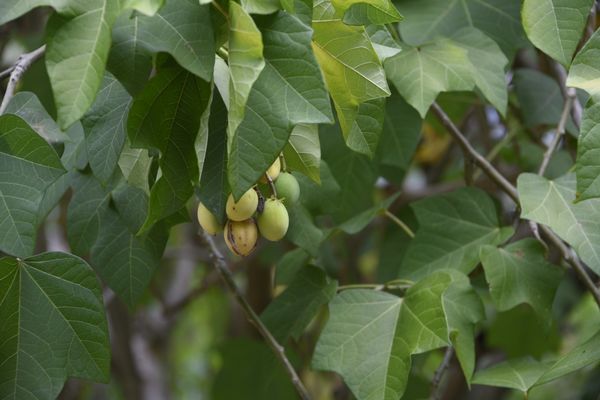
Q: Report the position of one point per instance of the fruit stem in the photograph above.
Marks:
(400, 223)
(271, 185)
(283, 164)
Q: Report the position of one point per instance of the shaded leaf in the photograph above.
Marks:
(303, 151)
(585, 68)
(587, 167)
(27, 106)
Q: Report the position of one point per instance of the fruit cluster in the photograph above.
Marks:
(252, 214)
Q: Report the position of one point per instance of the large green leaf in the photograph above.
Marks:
(129, 60)
(524, 374)
(104, 126)
(28, 167)
(166, 116)
(286, 93)
(520, 274)
(76, 55)
(363, 12)
(261, 6)
(53, 325)
(401, 133)
(452, 229)
(289, 314)
(303, 151)
(360, 221)
(183, 29)
(499, 19)
(371, 336)
(551, 203)
(555, 26)
(354, 76)
(245, 62)
(466, 60)
(135, 166)
(383, 43)
(27, 106)
(11, 9)
(302, 230)
(588, 152)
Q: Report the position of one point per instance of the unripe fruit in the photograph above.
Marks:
(273, 171)
(241, 236)
(274, 221)
(244, 208)
(287, 188)
(208, 221)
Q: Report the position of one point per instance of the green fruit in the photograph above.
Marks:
(241, 237)
(208, 221)
(244, 208)
(287, 188)
(274, 221)
(273, 171)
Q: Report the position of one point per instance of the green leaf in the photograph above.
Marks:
(303, 151)
(289, 314)
(401, 133)
(129, 60)
(531, 86)
(214, 190)
(104, 126)
(556, 26)
(302, 230)
(519, 273)
(284, 95)
(147, 7)
(166, 116)
(75, 155)
(183, 29)
(76, 55)
(498, 19)
(363, 12)
(27, 106)
(420, 74)
(452, 229)
(11, 9)
(488, 63)
(383, 43)
(29, 167)
(261, 6)
(551, 203)
(289, 265)
(520, 374)
(585, 69)
(135, 166)
(354, 75)
(370, 335)
(245, 62)
(53, 326)
(587, 167)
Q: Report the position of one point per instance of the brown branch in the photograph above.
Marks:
(566, 252)
(222, 268)
(439, 373)
(23, 63)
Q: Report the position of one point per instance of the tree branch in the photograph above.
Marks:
(566, 252)
(278, 350)
(477, 158)
(23, 63)
(439, 373)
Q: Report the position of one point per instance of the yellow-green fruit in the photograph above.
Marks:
(273, 171)
(287, 188)
(244, 208)
(241, 236)
(208, 221)
(274, 221)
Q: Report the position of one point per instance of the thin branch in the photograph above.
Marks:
(560, 130)
(439, 373)
(23, 63)
(477, 158)
(401, 284)
(6, 73)
(561, 76)
(271, 184)
(400, 223)
(220, 9)
(223, 270)
(566, 252)
(224, 54)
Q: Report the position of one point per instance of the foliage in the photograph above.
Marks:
(447, 158)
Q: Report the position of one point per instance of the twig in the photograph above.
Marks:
(391, 285)
(224, 54)
(477, 158)
(439, 373)
(561, 76)
(278, 350)
(6, 72)
(400, 223)
(271, 184)
(220, 9)
(23, 63)
(566, 252)
(560, 130)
